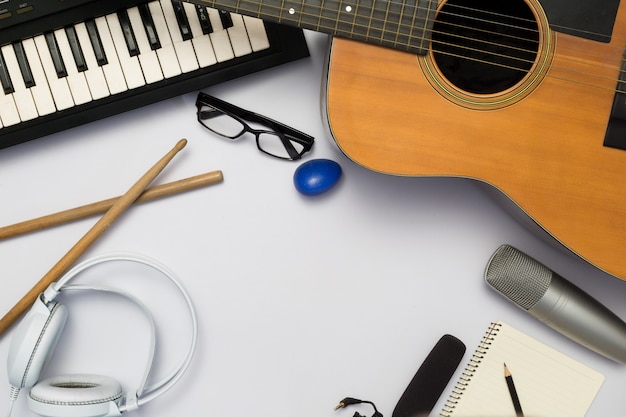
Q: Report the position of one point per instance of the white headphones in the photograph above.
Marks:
(82, 395)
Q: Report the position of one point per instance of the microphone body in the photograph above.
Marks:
(557, 302)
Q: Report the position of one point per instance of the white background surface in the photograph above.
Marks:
(301, 301)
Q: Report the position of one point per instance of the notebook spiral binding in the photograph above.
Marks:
(470, 370)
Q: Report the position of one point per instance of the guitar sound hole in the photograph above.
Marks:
(485, 46)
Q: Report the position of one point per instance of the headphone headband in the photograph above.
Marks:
(32, 347)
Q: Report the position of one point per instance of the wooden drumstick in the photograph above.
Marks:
(83, 243)
(87, 210)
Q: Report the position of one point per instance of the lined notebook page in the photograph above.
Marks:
(548, 383)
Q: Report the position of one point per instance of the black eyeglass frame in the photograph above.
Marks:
(284, 132)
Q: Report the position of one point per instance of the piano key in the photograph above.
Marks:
(58, 86)
(55, 54)
(239, 36)
(130, 64)
(181, 19)
(96, 42)
(8, 110)
(148, 24)
(5, 78)
(112, 70)
(147, 58)
(166, 53)
(23, 98)
(256, 33)
(205, 22)
(201, 42)
(127, 31)
(184, 49)
(75, 79)
(41, 91)
(221, 42)
(226, 19)
(22, 61)
(93, 74)
(77, 52)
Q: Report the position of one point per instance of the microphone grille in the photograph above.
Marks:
(517, 276)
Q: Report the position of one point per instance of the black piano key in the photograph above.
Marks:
(129, 35)
(96, 42)
(5, 79)
(148, 24)
(55, 54)
(181, 18)
(205, 22)
(22, 61)
(227, 20)
(77, 51)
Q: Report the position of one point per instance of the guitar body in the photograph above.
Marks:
(539, 141)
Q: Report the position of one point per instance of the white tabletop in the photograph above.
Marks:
(301, 301)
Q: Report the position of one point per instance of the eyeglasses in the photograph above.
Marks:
(229, 121)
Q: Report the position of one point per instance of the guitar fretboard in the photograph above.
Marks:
(404, 25)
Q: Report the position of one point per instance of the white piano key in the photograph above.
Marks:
(256, 33)
(113, 72)
(41, 92)
(58, 86)
(219, 37)
(23, 98)
(184, 49)
(201, 42)
(130, 64)
(75, 79)
(147, 57)
(94, 74)
(239, 36)
(8, 110)
(166, 53)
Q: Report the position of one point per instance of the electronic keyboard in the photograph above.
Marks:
(67, 63)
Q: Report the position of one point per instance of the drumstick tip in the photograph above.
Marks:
(181, 144)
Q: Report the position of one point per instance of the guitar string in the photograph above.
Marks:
(504, 35)
(393, 13)
(524, 20)
(533, 31)
(511, 57)
(551, 76)
(530, 62)
(398, 34)
(400, 25)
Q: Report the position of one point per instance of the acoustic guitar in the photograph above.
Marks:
(525, 95)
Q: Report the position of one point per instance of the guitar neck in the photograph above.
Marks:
(404, 26)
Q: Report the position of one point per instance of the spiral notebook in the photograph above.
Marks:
(546, 382)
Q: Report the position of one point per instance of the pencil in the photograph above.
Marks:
(509, 382)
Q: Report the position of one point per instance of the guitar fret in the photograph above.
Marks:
(385, 20)
(310, 15)
(328, 14)
(345, 19)
(300, 20)
(337, 17)
(369, 23)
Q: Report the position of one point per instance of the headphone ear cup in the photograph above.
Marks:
(76, 396)
(34, 342)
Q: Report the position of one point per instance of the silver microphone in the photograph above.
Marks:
(556, 302)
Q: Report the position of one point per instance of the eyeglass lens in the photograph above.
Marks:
(220, 123)
(230, 127)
